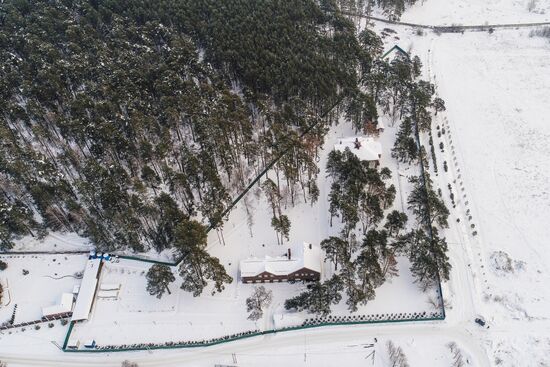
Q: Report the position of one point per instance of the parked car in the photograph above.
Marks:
(480, 321)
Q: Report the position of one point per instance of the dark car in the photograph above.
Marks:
(480, 321)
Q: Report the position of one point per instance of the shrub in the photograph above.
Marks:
(540, 32)
(3, 265)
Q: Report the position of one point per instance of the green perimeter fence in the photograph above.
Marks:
(244, 335)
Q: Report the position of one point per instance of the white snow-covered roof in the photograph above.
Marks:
(369, 149)
(66, 305)
(86, 294)
(304, 256)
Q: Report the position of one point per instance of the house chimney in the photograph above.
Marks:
(289, 254)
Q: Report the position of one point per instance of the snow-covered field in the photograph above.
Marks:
(470, 12)
(497, 89)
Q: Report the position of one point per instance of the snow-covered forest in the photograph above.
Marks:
(136, 125)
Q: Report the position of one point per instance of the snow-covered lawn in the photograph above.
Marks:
(48, 277)
(182, 317)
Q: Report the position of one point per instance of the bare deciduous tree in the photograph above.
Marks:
(255, 304)
(458, 358)
(396, 355)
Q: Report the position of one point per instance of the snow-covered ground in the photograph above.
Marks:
(182, 317)
(497, 89)
(496, 143)
(474, 12)
(497, 92)
(53, 242)
(48, 277)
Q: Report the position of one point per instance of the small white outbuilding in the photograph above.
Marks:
(63, 308)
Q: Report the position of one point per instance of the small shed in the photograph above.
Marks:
(73, 344)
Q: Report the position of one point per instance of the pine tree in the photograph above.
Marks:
(395, 222)
(189, 234)
(357, 293)
(282, 227)
(318, 298)
(370, 274)
(336, 250)
(426, 204)
(405, 148)
(438, 105)
(197, 268)
(371, 212)
(158, 278)
(429, 259)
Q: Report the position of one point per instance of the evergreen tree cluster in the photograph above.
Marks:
(358, 193)
(158, 278)
(122, 120)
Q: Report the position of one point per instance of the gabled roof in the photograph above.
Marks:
(369, 150)
(86, 294)
(398, 49)
(66, 305)
(304, 256)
